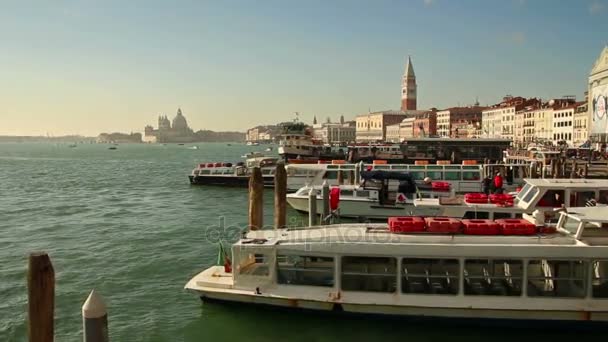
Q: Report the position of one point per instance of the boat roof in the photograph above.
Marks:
(567, 183)
(588, 214)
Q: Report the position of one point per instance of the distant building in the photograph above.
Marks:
(455, 121)
(563, 124)
(335, 133)
(408, 88)
(263, 134)
(598, 98)
(393, 133)
(371, 127)
(425, 124)
(581, 124)
(119, 138)
(406, 128)
(167, 132)
(498, 121)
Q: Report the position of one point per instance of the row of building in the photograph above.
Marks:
(522, 120)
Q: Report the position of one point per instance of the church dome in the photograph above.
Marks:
(179, 122)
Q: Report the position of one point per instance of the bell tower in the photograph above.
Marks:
(408, 87)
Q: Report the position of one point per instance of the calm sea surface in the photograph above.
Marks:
(127, 223)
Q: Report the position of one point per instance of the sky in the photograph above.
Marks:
(92, 66)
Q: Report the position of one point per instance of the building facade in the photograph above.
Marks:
(335, 133)
(456, 121)
(425, 124)
(371, 127)
(409, 88)
(581, 124)
(598, 99)
(176, 131)
(392, 133)
(406, 128)
(563, 127)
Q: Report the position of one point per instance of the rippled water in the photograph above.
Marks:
(127, 223)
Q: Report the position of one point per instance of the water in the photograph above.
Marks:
(127, 223)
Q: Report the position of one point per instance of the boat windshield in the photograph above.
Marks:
(522, 193)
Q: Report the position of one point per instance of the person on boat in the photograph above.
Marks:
(486, 185)
(498, 183)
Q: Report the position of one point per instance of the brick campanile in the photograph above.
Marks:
(408, 87)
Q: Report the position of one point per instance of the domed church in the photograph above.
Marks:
(175, 131)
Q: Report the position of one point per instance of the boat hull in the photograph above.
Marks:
(523, 318)
(236, 181)
(367, 209)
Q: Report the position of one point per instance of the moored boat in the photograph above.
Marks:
(229, 174)
(519, 270)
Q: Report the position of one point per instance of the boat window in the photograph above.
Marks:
(435, 175)
(205, 172)
(265, 171)
(580, 198)
(362, 193)
(523, 191)
(196, 172)
(476, 215)
(330, 175)
(530, 195)
(471, 175)
(600, 279)
(551, 198)
(485, 277)
(399, 167)
(603, 197)
(556, 278)
(254, 265)
(501, 215)
(417, 175)
(374, 274)
(346, 192)
(430, 276)
(453, 167)
(382, 167)
(452, 175)
(305, 270)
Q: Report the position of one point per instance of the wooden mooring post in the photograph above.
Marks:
(94, 319)
(256, 199)
(40, 298)
(280, 197)
(312, 208)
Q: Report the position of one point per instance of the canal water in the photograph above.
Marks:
(127, 223)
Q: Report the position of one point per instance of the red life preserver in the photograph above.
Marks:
(334, 198)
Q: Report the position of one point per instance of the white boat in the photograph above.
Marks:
(228, 174)
(462, 178)
(557, 275)
(252, 143)
(537, 194)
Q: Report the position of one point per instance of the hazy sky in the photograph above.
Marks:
(90, 66)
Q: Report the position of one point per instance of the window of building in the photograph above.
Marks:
(430, 276)
(600, 279)
(375, 274)
(493, 277)
(305, 270)
(557, 278)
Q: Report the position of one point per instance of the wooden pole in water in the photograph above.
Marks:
(94, 319)
(312, 208)
(41, 298)
(325, 209)
(280, 197)
(256, 199)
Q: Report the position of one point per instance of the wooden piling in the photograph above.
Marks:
(312, 208)
(94, 319)
(586, 170)
(41, 298)
(280, 197)
(325, 210)
(256, 199)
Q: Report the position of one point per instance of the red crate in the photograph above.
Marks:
(516, 227)
(476, 198)
(443, 225)
(406, 224)
(480, 227)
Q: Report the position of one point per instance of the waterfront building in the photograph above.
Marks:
(563, 129)
(581, 124)
(524, 125)
(455, 121)
(335, 133)
(406, 128)
(393, 132)
(371, 127)
(425, 124)
(409, 88)
(598, 98)
(263, 133)
(498, 121)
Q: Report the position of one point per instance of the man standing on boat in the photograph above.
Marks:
(498, 183)
(486, 184)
